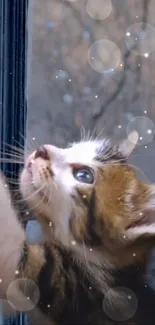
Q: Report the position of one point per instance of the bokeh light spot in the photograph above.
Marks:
(99, 9)
(127, 306)
(104, 56)
(18, 293)
(145, 128)
(140, 41)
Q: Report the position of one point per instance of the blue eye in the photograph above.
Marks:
(84, 175)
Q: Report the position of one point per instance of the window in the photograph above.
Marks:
(92, 65)
(13, 40)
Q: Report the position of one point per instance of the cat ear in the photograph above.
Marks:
(129, 144)
(142, 230)
(142, 225)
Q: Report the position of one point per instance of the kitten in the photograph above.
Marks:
(100, 226)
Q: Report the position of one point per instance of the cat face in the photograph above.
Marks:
(90, 199)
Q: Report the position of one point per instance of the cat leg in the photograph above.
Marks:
(12, 237)
(14, 263)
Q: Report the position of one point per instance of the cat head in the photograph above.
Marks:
(91, 200)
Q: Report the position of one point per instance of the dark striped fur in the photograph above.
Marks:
(91, 235)
(68, 297)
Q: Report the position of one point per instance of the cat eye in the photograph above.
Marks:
(84, 175)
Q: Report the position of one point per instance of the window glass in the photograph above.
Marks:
(91, 64)
(13, 46)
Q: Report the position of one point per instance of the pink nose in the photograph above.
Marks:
(42, 152)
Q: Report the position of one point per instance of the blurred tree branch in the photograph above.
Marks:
(126, 56)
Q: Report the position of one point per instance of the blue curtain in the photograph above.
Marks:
(13, 45)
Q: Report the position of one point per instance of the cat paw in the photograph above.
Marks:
(5, 198)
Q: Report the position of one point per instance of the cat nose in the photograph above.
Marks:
(42, 152)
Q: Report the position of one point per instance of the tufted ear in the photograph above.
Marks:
(128, 145)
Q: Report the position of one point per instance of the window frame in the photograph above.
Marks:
(13, 77)
(13, 74)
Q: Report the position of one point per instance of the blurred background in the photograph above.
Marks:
(91, 65)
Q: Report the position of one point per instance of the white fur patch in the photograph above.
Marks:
(12, 237)
(135, 232)
(83, 152)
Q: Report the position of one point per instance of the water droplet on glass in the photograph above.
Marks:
(145, 128)
(146, 39)
(99, 9)
(123, 306)
(23, 294)
(106, 56)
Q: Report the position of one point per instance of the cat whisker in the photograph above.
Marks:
(82, 133)
(7, 160)
(92, 137)
(32, 144)
(16, 149)
(100, 134)
(41, 200)
(50, 195)
(88, 135)
(11, 155)
(25, 199)
(28, 147)
(12, 181)
(19, 144)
